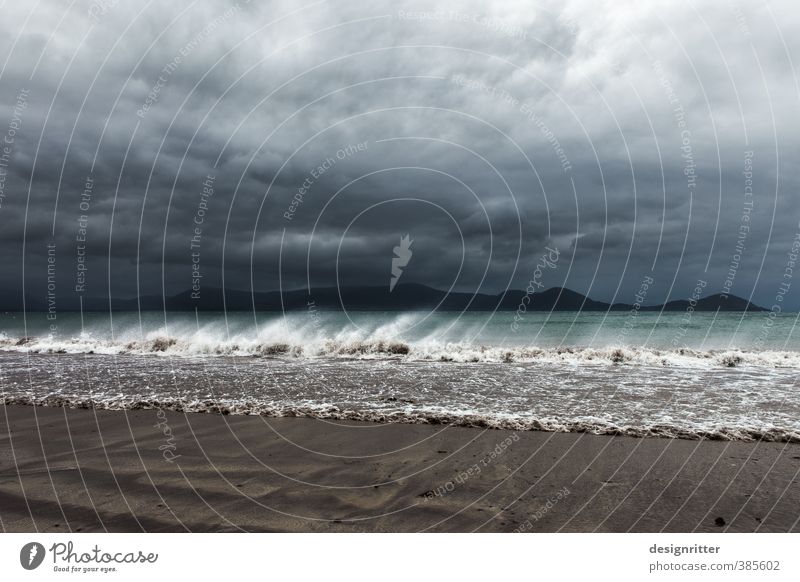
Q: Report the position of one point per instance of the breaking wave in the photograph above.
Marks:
(329, 412)
(200, 344)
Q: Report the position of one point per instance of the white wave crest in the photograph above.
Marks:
(281, 340)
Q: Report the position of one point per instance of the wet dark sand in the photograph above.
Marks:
(81, 470)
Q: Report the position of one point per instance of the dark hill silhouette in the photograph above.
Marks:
(405, 297)
(712, 303)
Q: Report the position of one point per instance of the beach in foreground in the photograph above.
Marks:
(151, 470)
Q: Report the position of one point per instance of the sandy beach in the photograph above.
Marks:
(150, 470)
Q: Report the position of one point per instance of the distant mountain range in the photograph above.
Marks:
(403, 298)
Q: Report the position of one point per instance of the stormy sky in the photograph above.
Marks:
(269, 144)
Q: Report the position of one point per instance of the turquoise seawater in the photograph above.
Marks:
(199, 333)
(694, 375)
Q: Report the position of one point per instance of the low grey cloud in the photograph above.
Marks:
(623, 134)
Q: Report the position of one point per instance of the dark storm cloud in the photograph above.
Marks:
(617, 133)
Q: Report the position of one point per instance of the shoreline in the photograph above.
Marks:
(68, 469)
(474, 421)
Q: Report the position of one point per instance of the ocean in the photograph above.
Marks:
(695, 375)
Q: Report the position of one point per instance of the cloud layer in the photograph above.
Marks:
(271, 144)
